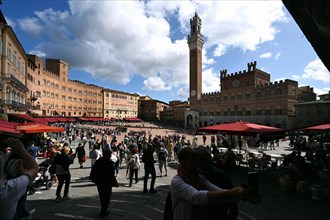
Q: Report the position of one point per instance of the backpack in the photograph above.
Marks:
(168, 211)
(162, 155)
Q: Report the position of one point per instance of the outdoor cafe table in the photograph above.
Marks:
(278, 158)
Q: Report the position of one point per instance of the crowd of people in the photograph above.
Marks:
(200, 187)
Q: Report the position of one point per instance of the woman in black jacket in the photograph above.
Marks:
(62, 162)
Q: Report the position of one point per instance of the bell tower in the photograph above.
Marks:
(195, 42)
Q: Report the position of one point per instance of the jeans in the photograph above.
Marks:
(131, 172)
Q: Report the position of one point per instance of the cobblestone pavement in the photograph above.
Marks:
(131, 203)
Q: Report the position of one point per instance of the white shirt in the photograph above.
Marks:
(96, 154)
(185, 196)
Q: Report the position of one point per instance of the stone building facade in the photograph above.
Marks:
(174, 114)
(119, 104)
(13, 71)
(247, 95)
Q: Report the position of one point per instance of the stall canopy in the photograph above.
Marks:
(132, 119)
(241, 128)
(8, 128)
(38, 128)
(323, 127)
(29, 118)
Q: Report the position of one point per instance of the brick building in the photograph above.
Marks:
(174, 114)
(245, 95)
(52, 93)
(149, 109)
(30, 85)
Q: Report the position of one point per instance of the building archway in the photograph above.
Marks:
(191, 120)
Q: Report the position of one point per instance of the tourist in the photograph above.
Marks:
(162, 159)
(204, 139)
(95, 154)
(149, 168)
(81, 154)
(220, 179)
(191, 192)
(102, 174)
(169, 149)
(14, 190)
(134, 165)
(63, 161)
(33, 150)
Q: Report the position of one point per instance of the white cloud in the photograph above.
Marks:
(211, 81)
(156, 84)
(182, 92)
(10, 22)
(277, 56)
(266, 55)
(115, 40)
(316, 70)
(321, 91)
(220, 50)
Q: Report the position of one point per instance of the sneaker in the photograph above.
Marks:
(65, 198)
(152, 191)
(145, 191)
(58, 198)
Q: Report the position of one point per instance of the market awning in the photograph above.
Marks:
(38, 128)
(323, 127)
(29, 118)
(8, 128)
(132, 119)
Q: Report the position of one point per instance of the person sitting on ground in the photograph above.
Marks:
(12, 190)
(191, 192)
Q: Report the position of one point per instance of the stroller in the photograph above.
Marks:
(43, 178)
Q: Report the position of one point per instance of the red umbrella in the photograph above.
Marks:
(323, 127)
(240, 128)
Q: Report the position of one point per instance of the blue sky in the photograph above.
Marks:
(141, 46)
